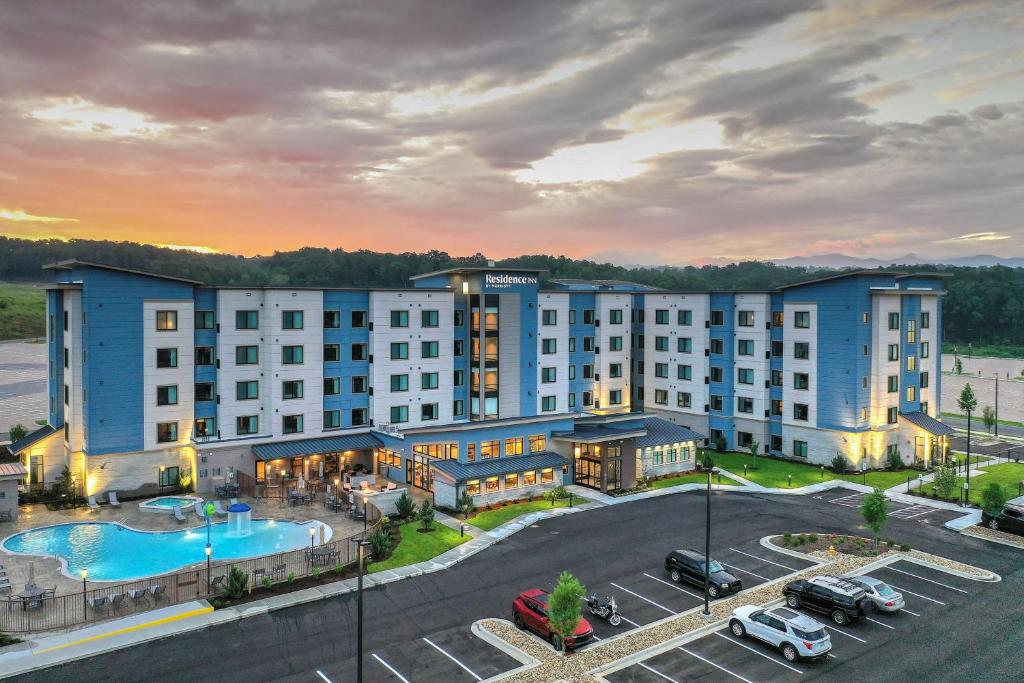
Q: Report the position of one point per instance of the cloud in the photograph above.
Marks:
(19, 216)
(976, 237)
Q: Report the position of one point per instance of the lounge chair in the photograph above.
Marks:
(216, 583)
(178, 515)
(112, 499)
(137, 594)
(156, 591)
(97, 601)
(93, 505)
(218, 509)
(116, 600)
(200, 512)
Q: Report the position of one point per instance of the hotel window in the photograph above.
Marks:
(924, 407)
(661, 316)
(801, 350)
(491, 484)
(429, 319)
(399, 318)
(359, 384)
(661, 397)
(473, 487)
(776, 443)
(291, 424)
(399, 382)
(743, 439)
(247, 320)
(489, 449)
(866, 317)
(549, 346)
(744, 376)
(514, 446)
(458, 407)
(802, 319)
(684, 345)
(894, 321)
(717, 346)
(892, 415)
(359, 352)
(359, 417)
(615, 316)
(530, 478)
(911, 331)
(865, 414)
(615, 370)
(205, 426)
(745, 318)
(776, 378)
(776, 407)
(332, 386)
(684, 317)
(458, 378)
(684, 372)
(717, 375)
(548, 375)
(167, 358)
(247, 355)
(744, 404)
(429, 380)
(572, 400)
(924, 380)
(429, 411)
(538, 442)
(247, 424)
(615, 343)
(800, 412)
(332, 319)
(911, 393)
(430, 349)
(588, 316)
(661, 370)
(332, 353)
(778, 320)
(471, 451)
(894, 352)
(745, 347)
(399, 414)
(925, 349)
(715, 402)
(247, 391)
(399, 351)
(588, 343)
(204, 391)
(292, 389)
(549, 316)
(204, 355)
(801, 380)
(167, 395)
(572, 344)
(926, 319)
(893, 383)
(204, 320)
(332, 419)
(683, 399)
(661, 343)
(459, 347)
(359, 319)
(717, 317)
(548, 404)
(588, 398)
(615, 397)
(911, 363)
(291, 355)
(167, 321)
(547, 475)
(166, 431)
(291, 320)
(572, 316)
(800, 449)
(778, 348)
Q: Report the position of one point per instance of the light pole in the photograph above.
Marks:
(361, 544)
(209, 552)
(997, 405)
(707, 546)
(85, 601)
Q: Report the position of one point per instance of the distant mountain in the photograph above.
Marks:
(843, 261)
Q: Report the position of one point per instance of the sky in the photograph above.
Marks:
(654, 132)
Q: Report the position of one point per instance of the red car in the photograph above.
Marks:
(530, 610)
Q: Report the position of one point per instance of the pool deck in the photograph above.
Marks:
(47, 569)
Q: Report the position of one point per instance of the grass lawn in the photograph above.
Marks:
(774, 473)
(491, 519)
(1007, 475)
(22, 311)
(985, 350)
(976, 420)
(417, 547)
(691, 478)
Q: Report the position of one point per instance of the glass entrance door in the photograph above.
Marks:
(422, 472)
(588, 472)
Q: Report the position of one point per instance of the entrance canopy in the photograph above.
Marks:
(329, 444)
(928, 423)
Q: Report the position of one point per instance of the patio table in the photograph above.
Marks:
(31, 597)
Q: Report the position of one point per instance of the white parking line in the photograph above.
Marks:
(757, 576)
(937, 583)
(777, 564)
(913, 614)
(829, 654)
(391, 669)
(644, 599)
(760, 654)
(852, 501)
(912, 512)
(721, 668)
(672, 585)
(321, 675)
(446, 654)
(875, 621)
(848, 635)
(657, 673)
(904, 590)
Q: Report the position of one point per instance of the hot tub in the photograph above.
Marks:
(166, 504)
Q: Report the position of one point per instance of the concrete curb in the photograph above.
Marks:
(1012, 544)
(527, 661)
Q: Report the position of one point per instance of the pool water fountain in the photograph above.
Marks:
(239, 521)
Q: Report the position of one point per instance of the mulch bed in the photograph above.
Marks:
(844, 544)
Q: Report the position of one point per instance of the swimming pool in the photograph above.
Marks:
(113, 552)
(168, 503)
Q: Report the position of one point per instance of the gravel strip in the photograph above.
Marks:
(994, 535)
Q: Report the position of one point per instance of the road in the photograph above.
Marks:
(981, 641)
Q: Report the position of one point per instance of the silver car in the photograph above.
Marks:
(796, 635)
(883, 596)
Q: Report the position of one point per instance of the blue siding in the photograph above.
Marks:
(55, 357)
(775, 363)
(910, 309)
(206, 300)
(723, 419)
(579, 357)
(462, 362)
(636, 364)
(936, 377)
(528, 314)
(346, 301)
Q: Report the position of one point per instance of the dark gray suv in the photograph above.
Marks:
(688, 566)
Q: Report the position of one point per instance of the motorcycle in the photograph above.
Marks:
(606, 609)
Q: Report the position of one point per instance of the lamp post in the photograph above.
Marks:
(707, 545)
(209, 552)
(85, 601)
(997, 405)
(361, 548)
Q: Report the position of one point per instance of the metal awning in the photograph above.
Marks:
(597, 434)
(30, 440)
(928, 423)
(497, 466)
(661, 432)
(328, 444)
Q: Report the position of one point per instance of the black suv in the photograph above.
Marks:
(1010, 519)
(688, 565)
(842, 600)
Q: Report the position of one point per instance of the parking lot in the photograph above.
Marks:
(932, 596)
(925, 514)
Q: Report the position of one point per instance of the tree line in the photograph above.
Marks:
(984, 305)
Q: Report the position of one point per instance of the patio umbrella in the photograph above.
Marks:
(302, 483)
(31, 574)
(321, 468)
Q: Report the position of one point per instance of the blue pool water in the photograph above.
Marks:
(170, 502)
(112, 552)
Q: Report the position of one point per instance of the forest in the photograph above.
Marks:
(983, 305)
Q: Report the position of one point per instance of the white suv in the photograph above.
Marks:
(796, 635)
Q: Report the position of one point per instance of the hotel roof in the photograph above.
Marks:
(76, 263)
(469, 270)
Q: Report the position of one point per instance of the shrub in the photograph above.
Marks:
(426, 515)
(839, 463)
(267, 583)
(237, 583)
(316, 572)
(993, 498)
(904, 547)
(291, 577)
(945, 481)
(813, 538)
(894, 460)
(560, 492)
(380, 542)
(787, 538)
(720, 443)
(385, 522)
(707, 460)
(564, 608)
(405, 506)
(465, 504)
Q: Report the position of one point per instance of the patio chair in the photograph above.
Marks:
(97, 601)
(49, 592)
(112, 499)
(116, 600)
(279, 570)
(137, 594)
(178, 515)
(200, 512)
(156, 591)
(218, 509)
(93, 505)
(216, 584)
(257, 576)
(391, 486)
(364, 485)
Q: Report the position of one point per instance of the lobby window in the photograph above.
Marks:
(430, 349)
(547, 475)
(247, 391)
(359, 384)
(399, 318)
(684, 345)
(801, 380)
(925, 349)
(291, 355)
(530, 478)
(359, 319)
(332, 386)
(661, 397)
(800, 412)
(399, 351)
(549, 316)
(204, 391)
(291, 320)
(717, 317)
(892, 415)
(926, 320)
(247, 355)
(911, 394)
(489, 449)
(924, 380)
(615, 370)
(744, 404)
(745, 347)
(715, 402)
(778, 320)
(548, 404)
(549, 346)
(166, 432)
(717, 375)
(167, 358)
(292, 389)
(204, 355)
(588, 343)
(332, 320)
(458, 378)
(291, 424)
(359, 352)
(459, 347)
(458, 407)
(588, 316)
(911, 331)
(684, 317)
(247, 424)
(911, 363)
(167, 395)
(514, 446)
(802, 319)
(615, 397)
(360, 416)
(473, 487)
(428, 380)
(548, 375)
(778, 348)
(399, 382)
(745, 318)
(167, 321)
(538, 442)
(332, 419)
(429, 319)
(615, 316)
(247, 320)
(332, 353)
(399, 414)
(744, 376)
(614, 343)
(429, 411)
(893, 383)
(717, 346)
(801, 350)
(661, 316)
(776, 408)
(894, 352)
(894, 321)
(800, 449)
(661, 370)
(205, 426)
(683, 399)
(491, 484)
(204, 320)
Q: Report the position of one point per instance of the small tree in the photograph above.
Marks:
(754, 445)
(564, 607)
(993, 498)
(720, 443)
(839, 463)
(875, 510)
(426, 515)
(405, 506)
(380, 543)
(18, 432)
(465, 504)
(893, 459)
(237, 583)
(945, 481)
(968, 402)
(958, 367)
(988, 416)
(707, 460)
